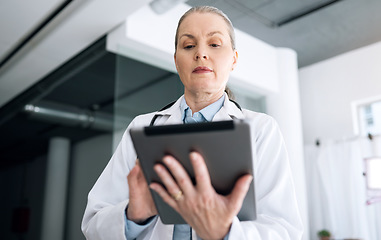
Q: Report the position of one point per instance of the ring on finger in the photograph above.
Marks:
(177, 196)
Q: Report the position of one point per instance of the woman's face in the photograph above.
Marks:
(204, 56)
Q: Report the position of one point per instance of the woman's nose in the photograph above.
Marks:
(201, 53)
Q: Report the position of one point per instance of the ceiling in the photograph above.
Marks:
(315, 29)
(87, 81)
(321, 34)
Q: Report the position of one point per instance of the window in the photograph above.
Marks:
(367, 116)
(367, 120)
(373, 179)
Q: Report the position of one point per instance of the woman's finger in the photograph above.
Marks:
(140, 205)
(140, 175)
(133, 175)
(181, 176)
(136, 174)
(200, 171)
(239, 192)
(170, 184)
(164, 195)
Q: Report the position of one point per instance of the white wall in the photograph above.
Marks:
(328, 88)
(284, 106)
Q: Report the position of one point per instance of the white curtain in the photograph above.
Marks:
(337, 190)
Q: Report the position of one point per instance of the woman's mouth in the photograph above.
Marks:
(202, 70)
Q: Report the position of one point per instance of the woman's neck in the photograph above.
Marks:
(198, 101)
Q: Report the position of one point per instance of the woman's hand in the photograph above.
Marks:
(141, 205)
(209, 213)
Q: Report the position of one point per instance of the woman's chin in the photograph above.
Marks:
(203, 90)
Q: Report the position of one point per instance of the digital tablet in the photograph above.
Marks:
(225, 146)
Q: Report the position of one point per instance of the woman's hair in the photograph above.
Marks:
(208, 9)
(230, 93)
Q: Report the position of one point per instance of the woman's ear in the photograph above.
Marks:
(235, 59)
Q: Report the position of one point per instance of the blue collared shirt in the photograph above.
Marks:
(204, 115)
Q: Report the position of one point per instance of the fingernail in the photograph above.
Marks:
(193, 156)
(157, 168)
(250, 179)
(167, 160)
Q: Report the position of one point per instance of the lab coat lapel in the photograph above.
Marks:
(171, 115)
(229, 111)
(174, 118)
(222, 115)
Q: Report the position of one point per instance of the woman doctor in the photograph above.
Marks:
(120, 208)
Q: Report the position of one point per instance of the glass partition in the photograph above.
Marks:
(141, 88)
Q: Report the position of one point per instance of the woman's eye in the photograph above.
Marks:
(189, 46)
(214, 45)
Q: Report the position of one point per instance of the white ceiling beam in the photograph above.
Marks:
(79, 25)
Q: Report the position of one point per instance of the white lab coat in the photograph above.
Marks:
(278, 215)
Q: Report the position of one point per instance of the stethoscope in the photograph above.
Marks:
(170, 105)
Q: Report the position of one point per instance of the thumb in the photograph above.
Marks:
(133, 175)
(140, 175)
(239, 192)
(136, 173)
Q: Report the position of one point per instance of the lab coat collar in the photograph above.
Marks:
(173, 113)
(228, 111)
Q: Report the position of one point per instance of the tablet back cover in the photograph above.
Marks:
(225, 146)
